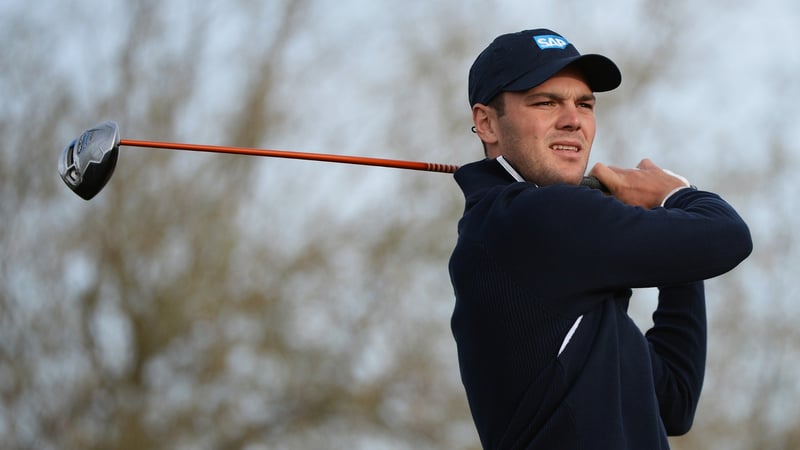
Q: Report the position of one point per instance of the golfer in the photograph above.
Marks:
(543, 267)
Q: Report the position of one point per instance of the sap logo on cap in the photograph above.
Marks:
(551, 41)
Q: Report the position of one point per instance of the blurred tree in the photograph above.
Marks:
(156, 316)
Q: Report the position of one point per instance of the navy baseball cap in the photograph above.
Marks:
(523, 60)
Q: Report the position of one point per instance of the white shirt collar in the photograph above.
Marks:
(510, 169)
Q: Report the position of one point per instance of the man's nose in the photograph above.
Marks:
(569, 119)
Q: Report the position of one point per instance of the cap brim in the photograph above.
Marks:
(601, 73)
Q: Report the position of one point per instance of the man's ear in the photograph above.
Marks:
(485, 120)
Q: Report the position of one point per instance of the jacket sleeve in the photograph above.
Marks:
(696, 236)
(678, 353)
(567, 230)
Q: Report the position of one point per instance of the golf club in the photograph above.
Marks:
(86, 164)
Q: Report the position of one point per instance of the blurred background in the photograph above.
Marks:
(230, 302)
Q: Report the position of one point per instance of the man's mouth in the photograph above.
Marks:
(568, 148)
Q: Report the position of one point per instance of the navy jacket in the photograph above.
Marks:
(542, 276)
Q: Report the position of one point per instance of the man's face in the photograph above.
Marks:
(546, 133)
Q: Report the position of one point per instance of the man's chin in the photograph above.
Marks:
(572, 180)
(548, 178)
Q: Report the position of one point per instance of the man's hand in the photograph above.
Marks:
(647, 185)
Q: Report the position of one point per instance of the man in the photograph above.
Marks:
(544, 267)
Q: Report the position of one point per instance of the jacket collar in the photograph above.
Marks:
(479, 176)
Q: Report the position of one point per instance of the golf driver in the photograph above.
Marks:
(86, 164)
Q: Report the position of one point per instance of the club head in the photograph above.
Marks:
(87, 163)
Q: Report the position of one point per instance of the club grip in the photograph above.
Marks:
(594, 183)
